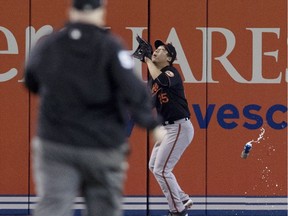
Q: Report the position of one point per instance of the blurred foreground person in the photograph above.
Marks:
(86, 86)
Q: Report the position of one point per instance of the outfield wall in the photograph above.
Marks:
(233, 59)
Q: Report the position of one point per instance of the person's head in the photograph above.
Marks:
(88, 11)
(165, 53)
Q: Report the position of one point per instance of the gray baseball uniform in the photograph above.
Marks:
(165, 156)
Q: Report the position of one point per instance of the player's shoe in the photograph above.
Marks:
(183, 213)
(188, 203)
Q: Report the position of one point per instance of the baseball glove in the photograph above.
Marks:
(143, 50)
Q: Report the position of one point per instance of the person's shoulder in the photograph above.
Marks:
(170, 68)
(171, 71)
(43, 42)
(50, 38)
(115, 40)
(118, 49)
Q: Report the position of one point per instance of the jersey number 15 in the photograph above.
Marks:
(163, 98)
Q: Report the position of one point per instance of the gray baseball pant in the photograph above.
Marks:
(165, 156)
(61, 171)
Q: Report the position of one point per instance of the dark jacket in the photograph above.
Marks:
(87, 86)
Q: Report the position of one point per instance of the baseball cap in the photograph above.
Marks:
(169, 47)
(87, 4)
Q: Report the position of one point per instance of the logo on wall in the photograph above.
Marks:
(228, 115)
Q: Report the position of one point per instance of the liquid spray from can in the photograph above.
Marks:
(246, 150)
(248, 145)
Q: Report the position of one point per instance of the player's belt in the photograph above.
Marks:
(179, 121)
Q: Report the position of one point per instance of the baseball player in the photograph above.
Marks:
(171, 105)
